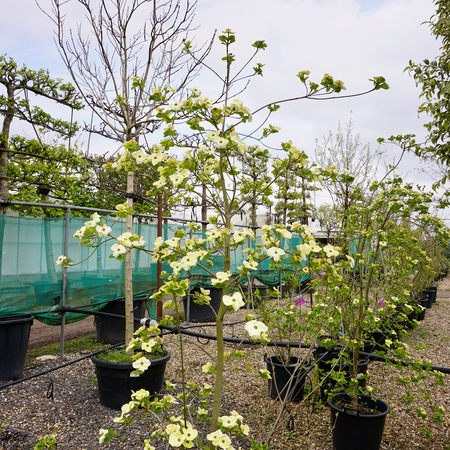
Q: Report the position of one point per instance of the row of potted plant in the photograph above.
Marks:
(361, 282)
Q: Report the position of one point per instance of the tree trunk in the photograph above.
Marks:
(204, 208)
(129, 317)
(4, 139)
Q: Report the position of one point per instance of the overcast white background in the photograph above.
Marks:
(353, 40)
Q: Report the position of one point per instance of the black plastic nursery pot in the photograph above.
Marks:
(285, 377)
(428, 296)
(14, 336)
(326, 365)
(423, 303)
(376, 341)
(289, 291)
(431, 291)
(411, 317)
(203, 313)
(111, 330)
(115, 382)
(360, 429)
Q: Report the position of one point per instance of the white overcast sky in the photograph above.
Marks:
(353, 40)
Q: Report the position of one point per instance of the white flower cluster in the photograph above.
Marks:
(101, 229)
(124, 241)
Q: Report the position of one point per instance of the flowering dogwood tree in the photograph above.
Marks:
(211, 162)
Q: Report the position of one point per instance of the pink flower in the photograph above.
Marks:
(298, 301)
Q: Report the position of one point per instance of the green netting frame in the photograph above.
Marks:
(30, 282)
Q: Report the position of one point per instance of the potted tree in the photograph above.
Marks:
(208, 162)
(369, 286)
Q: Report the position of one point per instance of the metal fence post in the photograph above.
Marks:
(64, 284)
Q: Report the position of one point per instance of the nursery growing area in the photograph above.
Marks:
(258, 336)
(74, 414)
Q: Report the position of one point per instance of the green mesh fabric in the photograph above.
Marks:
(30, 282)
(272, 278)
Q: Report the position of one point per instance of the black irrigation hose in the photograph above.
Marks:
(94, 313)
(231, 339)
(374, 357)
(175, 330)
(185, 331)
(118, 316)
(79, 309)
(12, 383)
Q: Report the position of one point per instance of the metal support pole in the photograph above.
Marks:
(64, 284)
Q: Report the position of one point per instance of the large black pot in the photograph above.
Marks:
(203, 313)
(354, 430)
(285, 377)
(111, 330)
(428, 296)
(14, 336)
(375, 342)
(326, 365)
(431, 291)
(115, 383)
(423, 303)
(411, 317)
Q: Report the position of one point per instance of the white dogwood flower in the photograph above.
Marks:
(235, 300)
(275, 253)
(255, 328)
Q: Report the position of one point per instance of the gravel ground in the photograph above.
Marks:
(65, 402)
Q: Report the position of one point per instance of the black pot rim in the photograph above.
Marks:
(128, 366)
(361, 396)
(272, 360)
(17, 318)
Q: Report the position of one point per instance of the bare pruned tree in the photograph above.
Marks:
(122, 55)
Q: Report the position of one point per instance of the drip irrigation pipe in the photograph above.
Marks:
(374, 357)
(94, 313)
(12, 383)
(118, 316)
(174, 330)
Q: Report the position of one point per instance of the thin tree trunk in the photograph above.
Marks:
(204, 208)
(129, 317)
(4, 139)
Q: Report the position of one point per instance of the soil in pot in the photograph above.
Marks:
(202, 313)
(357, 429)
(115, 382)
(286, 377)
(14, 336)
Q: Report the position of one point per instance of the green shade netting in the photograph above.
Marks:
(31, 283)
(273, 278)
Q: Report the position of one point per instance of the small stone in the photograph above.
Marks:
(46, 357)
